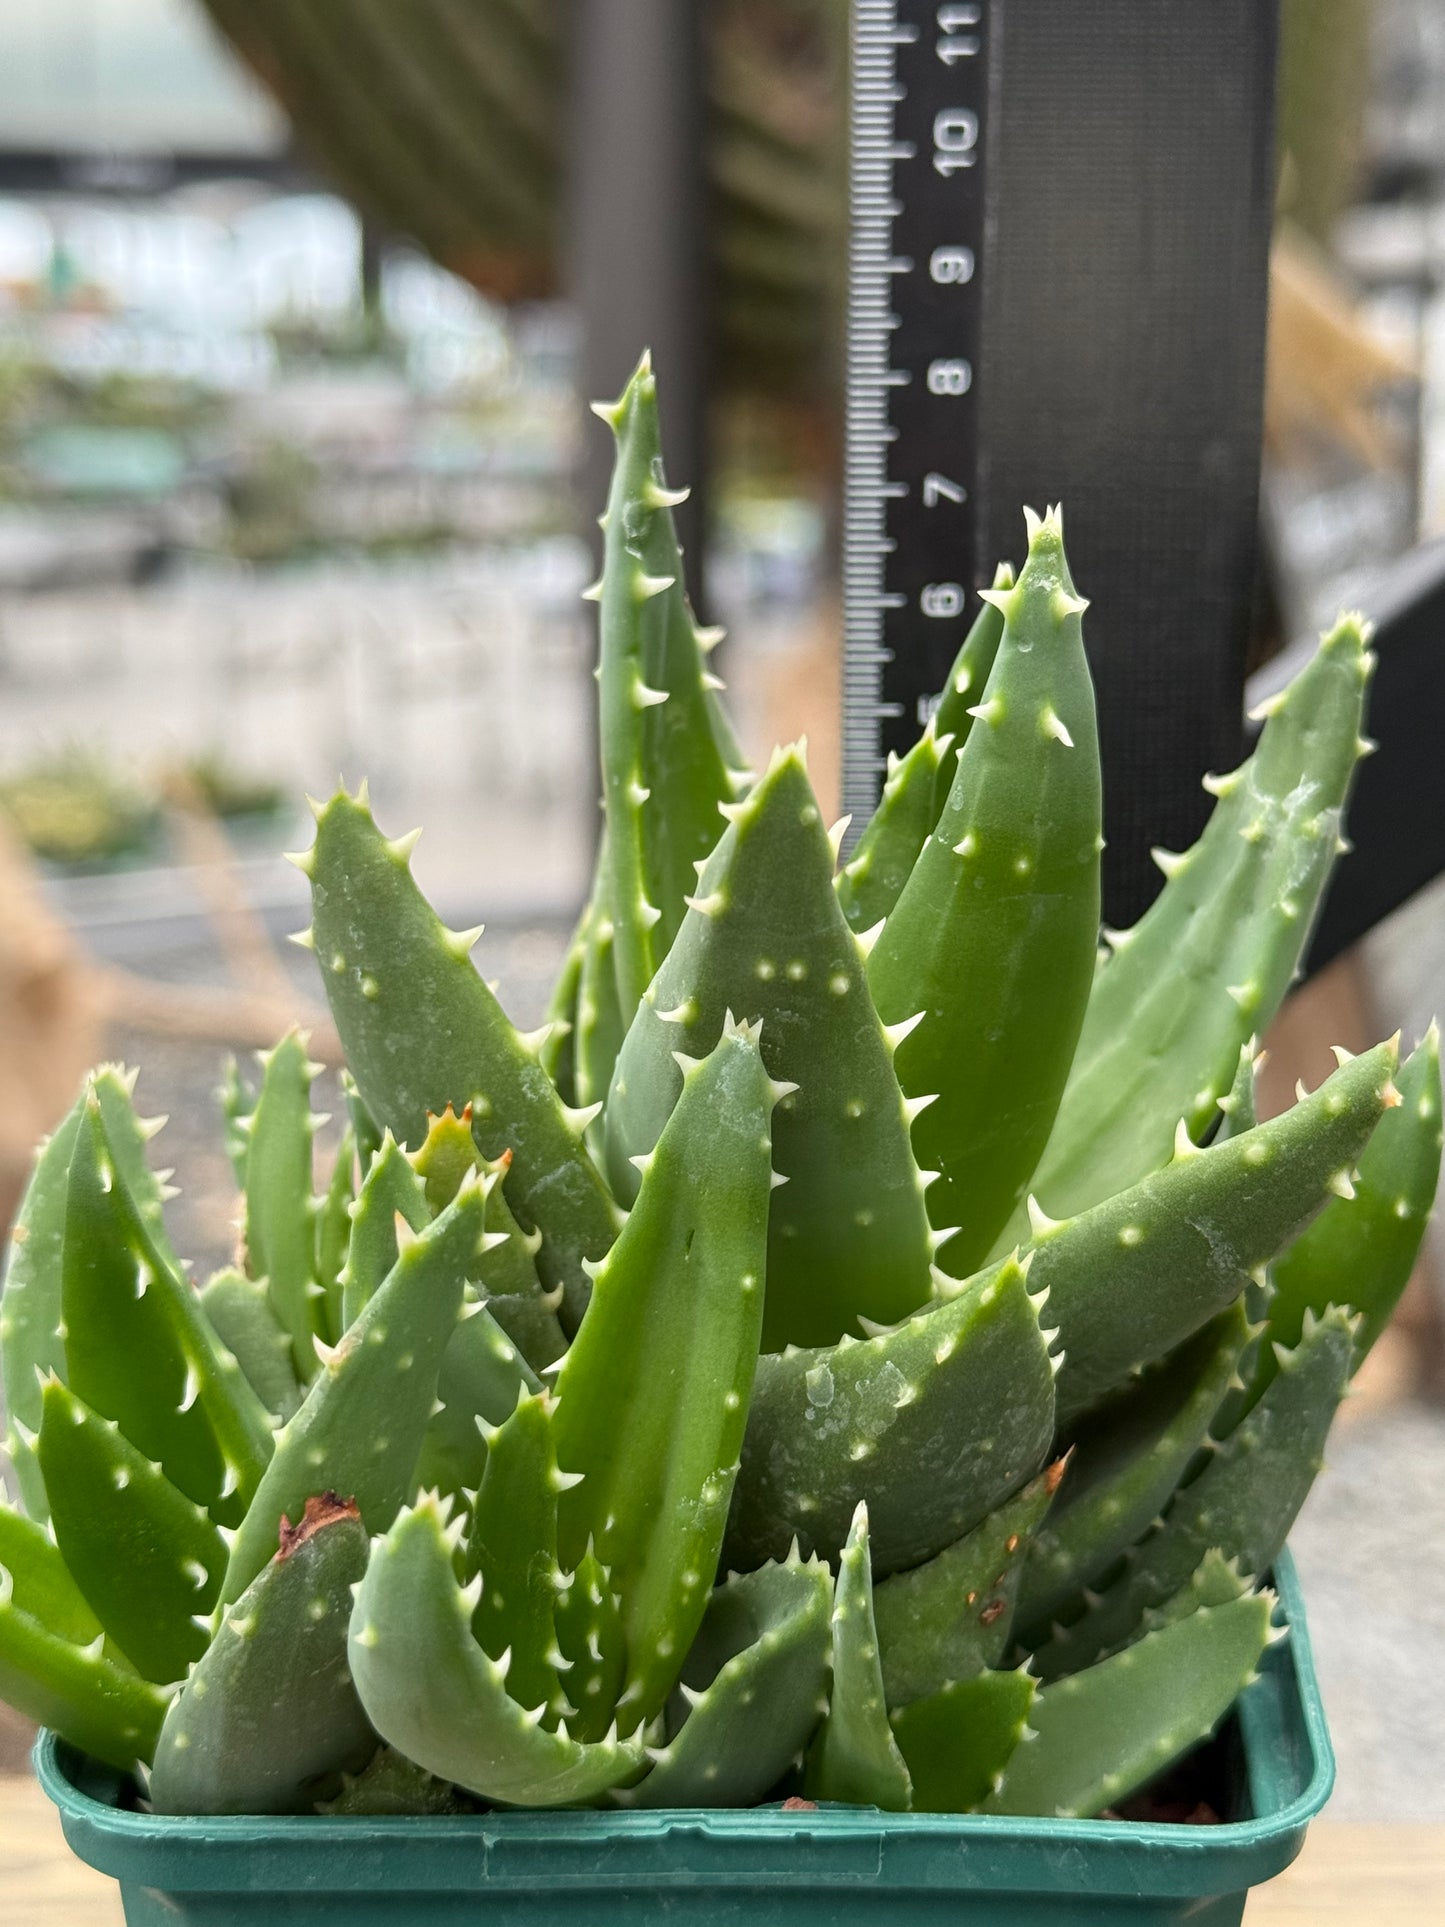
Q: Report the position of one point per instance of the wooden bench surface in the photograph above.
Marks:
(1366, 1876)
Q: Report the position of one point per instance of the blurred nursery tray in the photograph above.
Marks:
(128, 913)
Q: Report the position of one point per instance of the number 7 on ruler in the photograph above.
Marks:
(937, 488)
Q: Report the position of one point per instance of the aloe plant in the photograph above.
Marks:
(864, 1343)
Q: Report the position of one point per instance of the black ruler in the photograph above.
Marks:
(920, 113)
(1061, 218)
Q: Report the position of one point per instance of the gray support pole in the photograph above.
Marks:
(1132, 188)
(636, 228)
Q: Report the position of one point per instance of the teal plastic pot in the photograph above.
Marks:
(763, 1867)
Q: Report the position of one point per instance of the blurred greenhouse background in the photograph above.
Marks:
(290, 439)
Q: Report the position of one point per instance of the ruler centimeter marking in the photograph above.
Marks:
(910, 561)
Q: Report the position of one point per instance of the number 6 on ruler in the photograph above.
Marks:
(941, 599)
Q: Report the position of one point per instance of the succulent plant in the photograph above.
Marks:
(864, 1343)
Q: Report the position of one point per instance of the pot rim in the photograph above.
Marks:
(1282, 1724)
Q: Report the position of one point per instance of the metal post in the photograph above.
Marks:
(1131, 173)
(369, 272)
(636, 228)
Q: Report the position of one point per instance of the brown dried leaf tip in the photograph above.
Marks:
(1054, 1476)
(324, 1509)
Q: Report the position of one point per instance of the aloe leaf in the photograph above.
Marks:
(389, 1785)
(1124, 1466)
(237, 1104)
(421, 1030)
(454, 1716)
(482, 1376)
(139, 1348)
(872, 881)
(241, 1315)
(531, 1325)
(1214, 1582)
(559, 1053)
(127, 1136)
(932, 1424)
(511, 1269)
(31, 1323)
(31, 1326)
(269, 1715)
(1209, 962)
(1101, 1734)
(513, 1545)
(958, 1741)
(952, 1617)
(848, 1232)
(590, 1638)
(482, 1373)
(991, 946)
(333, 1234)
(147, 1559)
(751, 1692)
(1242, 1504)
(740, 772)
(390, 1189)
(1361, 1250)
(280, 1237)
(1132, 1278)
(967, 681)
(663, 774)
(87, 1696)
(361, 1426)
(445, 1155)
(670, 1340)
(40, 1582)
(601, 1025)
(1237, 1109)
(854, 1757)
(364, 1127)
(514, 1294)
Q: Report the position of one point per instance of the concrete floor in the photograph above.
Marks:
(1371, 1555)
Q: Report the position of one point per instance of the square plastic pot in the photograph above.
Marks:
(765, 1867)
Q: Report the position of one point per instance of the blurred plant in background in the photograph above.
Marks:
(77, 808)
(447, 123)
